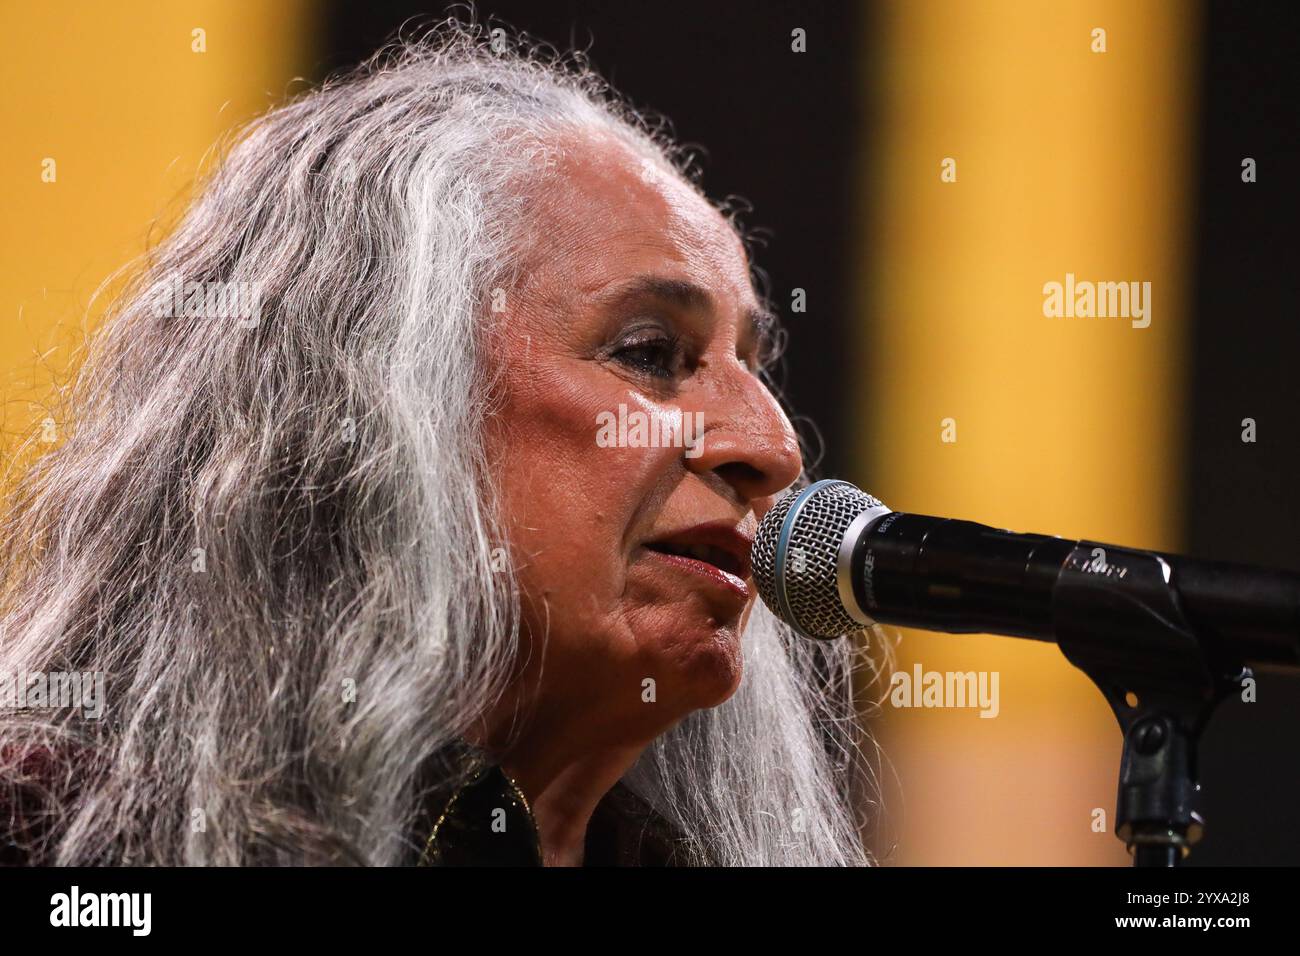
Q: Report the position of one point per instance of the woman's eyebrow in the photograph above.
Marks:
(681, 293)
(688, 295)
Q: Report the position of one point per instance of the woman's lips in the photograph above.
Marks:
(716, 552)
(705, 571)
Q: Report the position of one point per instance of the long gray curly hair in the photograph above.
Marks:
(276, 539)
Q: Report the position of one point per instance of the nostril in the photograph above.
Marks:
(740, 474)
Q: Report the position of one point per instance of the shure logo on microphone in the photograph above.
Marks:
(868, 577)
(1097, 564)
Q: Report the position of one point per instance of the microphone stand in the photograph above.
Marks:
(1163, 679)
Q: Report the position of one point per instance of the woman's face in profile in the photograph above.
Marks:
(635, 306)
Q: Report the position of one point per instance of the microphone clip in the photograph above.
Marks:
(1120, 619)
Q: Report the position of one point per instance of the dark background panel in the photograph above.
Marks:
(1242, 499)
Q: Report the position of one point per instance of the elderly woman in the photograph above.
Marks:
(365, 579)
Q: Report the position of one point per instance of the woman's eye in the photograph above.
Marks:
(658, 356)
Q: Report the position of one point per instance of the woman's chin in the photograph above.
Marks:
(706, 664)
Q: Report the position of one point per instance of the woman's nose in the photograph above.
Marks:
(747, 439)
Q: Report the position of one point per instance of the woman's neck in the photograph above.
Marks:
(563, 792)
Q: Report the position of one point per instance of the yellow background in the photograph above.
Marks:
(115, 95)
(1067, 161)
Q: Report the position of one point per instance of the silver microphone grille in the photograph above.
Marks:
(795, 557)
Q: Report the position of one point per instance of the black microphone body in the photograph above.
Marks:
(957, 576)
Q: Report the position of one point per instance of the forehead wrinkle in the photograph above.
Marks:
(683, 293)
